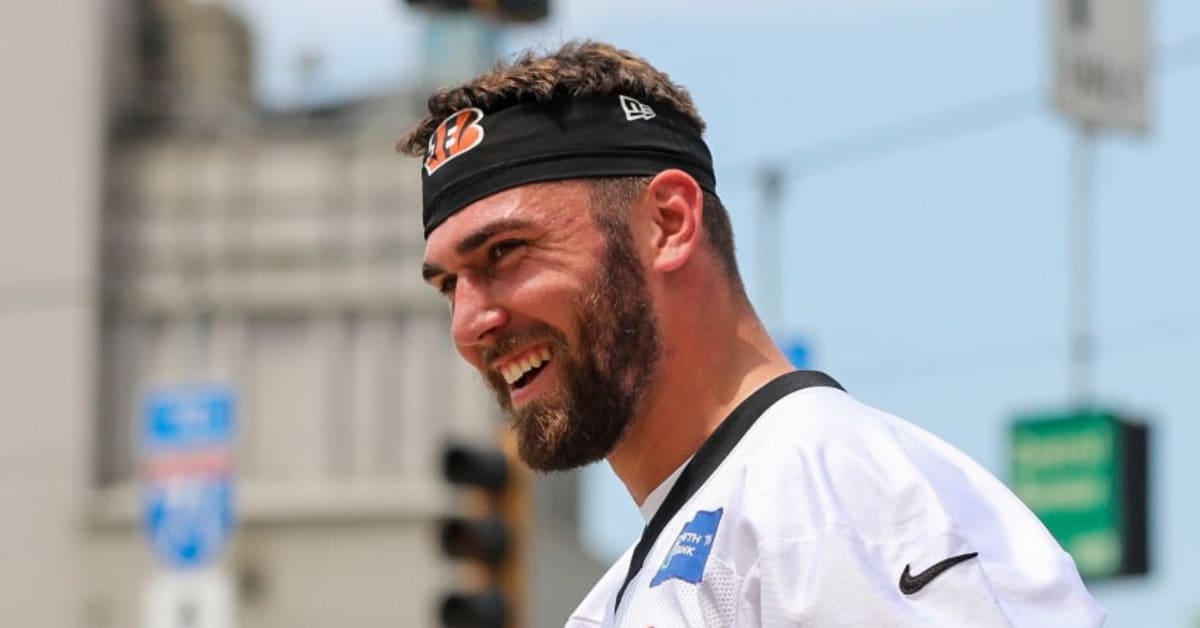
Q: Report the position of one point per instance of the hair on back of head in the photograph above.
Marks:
(579, 69)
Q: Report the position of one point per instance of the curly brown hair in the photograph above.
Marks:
(581, 69)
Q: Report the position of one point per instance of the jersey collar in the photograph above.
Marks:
(713, 452)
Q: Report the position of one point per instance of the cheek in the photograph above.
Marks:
(551, 297)
(470, 354)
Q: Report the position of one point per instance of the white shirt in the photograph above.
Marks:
(820, 513)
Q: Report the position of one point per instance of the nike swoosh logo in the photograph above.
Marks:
(910, 584)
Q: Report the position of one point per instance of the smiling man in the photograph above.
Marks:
(573, 225)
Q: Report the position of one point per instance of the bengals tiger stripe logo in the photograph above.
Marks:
(454, 136)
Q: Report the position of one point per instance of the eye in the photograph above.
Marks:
(446, 288)
(500, 249)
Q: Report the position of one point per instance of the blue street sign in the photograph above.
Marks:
(797, 353)
(187, 470)
(188, 417)
(190, 523)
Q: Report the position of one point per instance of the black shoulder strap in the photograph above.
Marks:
(713, 452)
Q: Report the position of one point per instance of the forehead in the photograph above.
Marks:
(561, 208)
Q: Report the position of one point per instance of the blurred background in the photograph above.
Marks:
(977, 215)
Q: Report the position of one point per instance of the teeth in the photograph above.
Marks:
(510, 373)
(515, 369)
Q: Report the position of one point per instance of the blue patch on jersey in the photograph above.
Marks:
(690, 551)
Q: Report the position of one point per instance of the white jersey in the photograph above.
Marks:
(808, 508)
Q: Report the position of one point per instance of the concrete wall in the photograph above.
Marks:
(50, 123)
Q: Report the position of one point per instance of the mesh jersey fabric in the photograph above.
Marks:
(825, 502)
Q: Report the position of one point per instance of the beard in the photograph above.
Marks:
(602, 381)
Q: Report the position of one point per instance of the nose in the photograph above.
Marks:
(476, 313)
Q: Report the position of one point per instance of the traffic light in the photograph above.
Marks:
(505, 10)
(487, 534)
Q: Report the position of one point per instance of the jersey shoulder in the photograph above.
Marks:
(821, 507)
(827, 471)
(819, 458)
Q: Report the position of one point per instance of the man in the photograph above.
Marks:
(573, 225)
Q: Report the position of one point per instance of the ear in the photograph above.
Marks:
(676, 205)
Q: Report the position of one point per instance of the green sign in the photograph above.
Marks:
(1083, 472)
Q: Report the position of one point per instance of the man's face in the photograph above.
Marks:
(554, 312)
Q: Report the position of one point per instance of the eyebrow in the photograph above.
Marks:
(475, 240)
(429, 272)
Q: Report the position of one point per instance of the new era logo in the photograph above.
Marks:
(635, 110)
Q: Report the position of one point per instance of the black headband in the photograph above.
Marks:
(472, 155)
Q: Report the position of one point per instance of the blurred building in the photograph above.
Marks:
(277, 252)
(51, 160)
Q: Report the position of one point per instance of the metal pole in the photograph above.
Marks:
(1081, 237)
(771, 180)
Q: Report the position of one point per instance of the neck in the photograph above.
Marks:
(705, 372)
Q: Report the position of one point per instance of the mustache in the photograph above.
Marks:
(536, 334)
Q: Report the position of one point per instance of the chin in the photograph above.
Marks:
(555, 447)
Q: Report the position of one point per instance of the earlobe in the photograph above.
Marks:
(676, 211)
